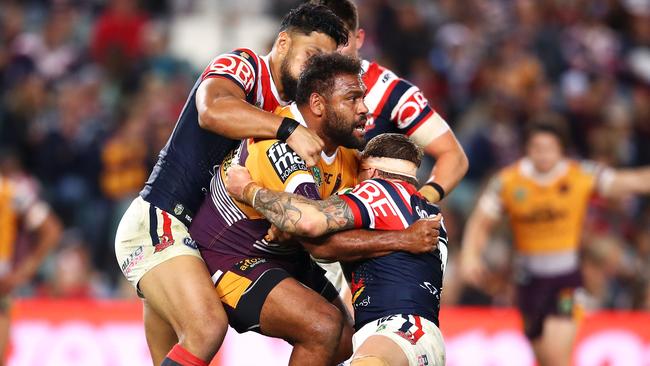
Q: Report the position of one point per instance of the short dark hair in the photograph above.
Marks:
(396, 146)
(308, 18)
(549, 123)
(319, 74)
(344, 9)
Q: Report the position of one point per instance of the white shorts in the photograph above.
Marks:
(422, 343)
(148, 236)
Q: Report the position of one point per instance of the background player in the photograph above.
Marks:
(263, 284)
(398, 106)
(545, 197)
(231, 100)
(396, 297)
(22, 212)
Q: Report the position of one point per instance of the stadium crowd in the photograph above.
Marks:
(90, 91)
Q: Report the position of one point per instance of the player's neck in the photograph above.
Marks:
(314, 124)
(275, 66)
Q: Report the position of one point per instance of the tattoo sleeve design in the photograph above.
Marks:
(296, 214)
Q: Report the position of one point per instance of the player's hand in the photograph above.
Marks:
(472, 269)
(422, 236)
(306, 144)
(237, 178)
(276, 235)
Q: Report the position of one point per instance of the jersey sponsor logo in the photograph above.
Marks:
(235, 66)
(411, 109)
(190, 242)
(133, 259)
(285, 161)
(249, 263)
(376, 199)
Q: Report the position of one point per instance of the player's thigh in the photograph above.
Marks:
(401, 340)
(158, 257)
(180, 290)
(383, 348)
(291, 311)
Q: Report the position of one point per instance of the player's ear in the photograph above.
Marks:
(283, 43)
(361, 37)
(316, 104)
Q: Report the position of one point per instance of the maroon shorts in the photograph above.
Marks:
(539, 297)
(243, 283)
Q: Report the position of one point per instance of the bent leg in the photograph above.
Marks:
(161, 337)
(180, 290)
(305, 319)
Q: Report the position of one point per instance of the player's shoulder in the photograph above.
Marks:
(240, 65)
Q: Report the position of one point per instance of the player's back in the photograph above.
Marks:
(182, 174)
(398, 283)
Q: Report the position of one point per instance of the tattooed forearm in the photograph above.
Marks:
(298, 215)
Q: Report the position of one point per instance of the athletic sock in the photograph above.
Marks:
(179, 356)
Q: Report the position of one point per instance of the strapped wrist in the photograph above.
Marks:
(438, 188)
(287, 127)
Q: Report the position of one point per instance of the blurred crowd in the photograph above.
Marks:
(90, 91)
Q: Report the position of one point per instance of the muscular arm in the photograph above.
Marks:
(298, 215)
(451, 164)
(223, 109)
(359, 244)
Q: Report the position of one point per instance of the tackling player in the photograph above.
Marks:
(275, 288)
(20, 209)
(545, 196)
(396, 296)
(398, 106)
(231, 100)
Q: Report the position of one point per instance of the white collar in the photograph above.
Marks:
(527, 169)
(296, 114)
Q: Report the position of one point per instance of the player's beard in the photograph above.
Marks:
(341, 131)
(289, 83)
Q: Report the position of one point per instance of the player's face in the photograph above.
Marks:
(544, 150)
(300, 48)
(346, 113)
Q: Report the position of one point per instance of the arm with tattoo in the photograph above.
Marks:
(298, 215)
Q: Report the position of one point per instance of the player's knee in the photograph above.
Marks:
(209, 329)
(369, 361)
(325, 326)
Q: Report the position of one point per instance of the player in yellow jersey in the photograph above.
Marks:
(21, 210)
(545, 196)
(275, 288)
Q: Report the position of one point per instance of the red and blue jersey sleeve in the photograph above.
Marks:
(239, 66)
